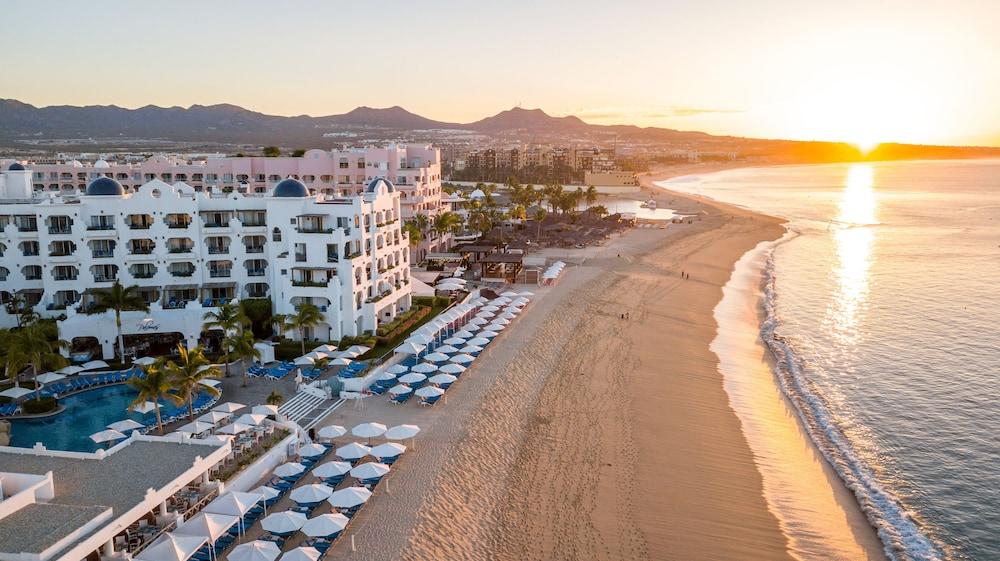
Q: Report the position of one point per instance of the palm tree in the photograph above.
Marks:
(445, 222)
(18, 306)
(241, 345)
(41, 345)
(479, 220)
(154, 386)
(540, 214)
(413, 233)
(231, 320)
(305, 317)
(590, 195)
(14, 356)
(275, 398)
(186, 374)
(120, 298)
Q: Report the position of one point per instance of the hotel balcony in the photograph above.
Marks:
(59, 230)
(220, 273)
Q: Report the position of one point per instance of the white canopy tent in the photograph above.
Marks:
(173, 547)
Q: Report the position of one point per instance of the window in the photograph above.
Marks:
(276, 235)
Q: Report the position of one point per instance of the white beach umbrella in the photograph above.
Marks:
(491, 308)
(422, 368)
(289, 469)
(441, 379)
(312, 450)
(496, 327)
(144, 361)
(447, 287)
(234, 428)
(463, 334)
(412, 378)
(508, 315)
(195, 427)
(469, 349)
(332, 431)
(410, 349)
(478, 341)
(484, 315)
(16, 392)
(304, 361)
(266, 493)
(436, 357)
(316, 355)
(397, 369)
(477, 321)
(462, 358)
(252, 419)
(265, 409)
(454, 341)
(313, 493)
(228, 407)
(325, 525)
(418, 339)
(388, 450)
(500, 321)
(283, 522)
(94, 365)
(352, 451)
(341, 361)
(369, 470)
(400, 389)
(107, 435)
(349, 497)
(70, 370)
(487, 333)
(49, 377)
(302, 553)
(145, 407)
(208, 524)
(214, 417)
(124, 425)
(174, 547)
(234, 503)
(357, 350)
(369, 430)
(402, 432)
(326, 349)
(452, 368)
(385, 377)
(331, 469)
(510, 294)
(447, 349)
(257, 550)
(430, 391)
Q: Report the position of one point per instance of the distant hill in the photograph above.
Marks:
(526, 119)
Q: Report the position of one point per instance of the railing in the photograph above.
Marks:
(217, 250)
(100, 253)
(64, 277)
(100, 227)
(182, 273)
(256, 272)
(141, 250)
(217, 273)
(255, 249)
(176, 225)
(180, 249)
(144, 275)
(140, 226)
(314, 284)
(60, 230)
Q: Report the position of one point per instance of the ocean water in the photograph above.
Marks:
(881, 308)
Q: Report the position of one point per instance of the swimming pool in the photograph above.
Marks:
(85, 413)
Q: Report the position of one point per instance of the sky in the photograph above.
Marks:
(919, 71)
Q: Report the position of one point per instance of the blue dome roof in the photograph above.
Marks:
(292, 188)
(373, 186)
(15, 167)
(105, 186)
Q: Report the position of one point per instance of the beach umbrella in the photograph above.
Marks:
(484, 315)
(388, 450)
(436, 357)
(452, 368)
(145, 407)
(195, 427)
(478, 341)
(402, 432)
(430, 391)
(228, 407)
(289, 469)
(316, 355)
(214, 417)
(266, 409)
(448, 349)
(209, 524)
(341, 361)
(331, 469)
(478, 321)
(266, 493)
(94, 365)
(324, 525)
(311, 494)
(526, 293)
(397, 369)
(469, 349)
(410, 349)
(501, 301)
(357, 350)
(487, 333)
(16, 392)
(418, 339)
(283, 522)
(495, 327)
(400, 389)
(500, 321)
(70, 370)
(144, 361)
(302, 553)
(304, 361)
(174, 547)
(510, 294)
(422, 368)
(352, 451)
(252, 419)
(124, 425)
(234, 503)
(462, 358)
(479, 301)
(257, 550)
(491, 308)
(349, 497)
(385, 377)
(412, 378)
(49, 377)
(234, 428)
(325, 349)
(509, 316)
(332, 431)
(454, 341)
(312, 450)
(464, 334)
(369, 430)
(369, 470)
(438, 379)
(210, 382)
(107, 435)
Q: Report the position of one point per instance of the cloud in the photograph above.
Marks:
(689, 112)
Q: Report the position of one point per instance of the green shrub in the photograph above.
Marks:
(400, 327)
(42, 405)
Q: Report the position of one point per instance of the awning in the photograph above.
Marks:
(180, 286)
(218, 285)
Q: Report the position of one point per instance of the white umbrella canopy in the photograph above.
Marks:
(357, 350)
(106, 435)
(252, 419)
(448, 286)
(410, 349)
(491, 308)
(463, 334)
(196, 427)
(430, 391)
(501, 301)
(478, 341)
(412, 378)
(508, 315)
(462, 358)
(257, 550)
(422, 368)
(316, 355)
(477, 321)
(441, 379)
(340, 361)
(400, 389)
(331, 469)
(49, 377)
(94, 365)
(265, 409)
(353, 451)
(487, 333)
(283, 522)
(369, 470)
(325, 349)
(145, 407)
(470, 349)
(386, 376)
(447, 349)
(308, 494)
(397, 369)
(402, 432)
(388, 450)
(303, 553)
(267, 493)
(304, 361)
(479, 301)
(312, 450)
(510, 294)
(173, 547)
(332, 431)
(234, 503)
(228, 407)
(369, 430)
(500, 321)
(289, 469)
(495, 327)
(208, 524)
(235, 428)
(419, 339)
(214, 417)
(526, 293)
(325, 525)
(70, 370)
(219, 438)
(452, 368)
(16, 392)
(124, 425)
(144, 361)
(436, 357)
(454, 341)
(349, 497)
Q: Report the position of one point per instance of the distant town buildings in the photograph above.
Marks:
(539, 164)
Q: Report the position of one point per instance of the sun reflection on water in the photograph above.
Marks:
(853, 245)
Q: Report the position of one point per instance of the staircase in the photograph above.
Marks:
(308, 407)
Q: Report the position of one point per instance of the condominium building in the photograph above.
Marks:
(188, 250)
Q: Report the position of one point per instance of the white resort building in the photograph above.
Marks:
(190, 250)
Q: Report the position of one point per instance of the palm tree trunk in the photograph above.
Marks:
(225, 359)
(34, 380)
(159, 422)
(191, 407)
(245, 367)
(302, 339)
(121, 338)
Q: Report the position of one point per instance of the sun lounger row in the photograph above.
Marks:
(63, 387)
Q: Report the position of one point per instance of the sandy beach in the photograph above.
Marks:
(582, 435)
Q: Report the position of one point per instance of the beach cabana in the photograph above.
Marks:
(257, 550)
(332, 431)
(173, 547)
(283, 523)
(352, 451)
(325, 525)
(349, 497)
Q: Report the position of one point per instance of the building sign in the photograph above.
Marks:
(148, 325)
